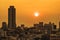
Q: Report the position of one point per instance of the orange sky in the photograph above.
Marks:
(49, 11)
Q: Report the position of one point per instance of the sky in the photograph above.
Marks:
(49, 10)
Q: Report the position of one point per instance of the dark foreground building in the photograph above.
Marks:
(11, 17)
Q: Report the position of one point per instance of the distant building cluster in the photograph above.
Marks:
(39, 31)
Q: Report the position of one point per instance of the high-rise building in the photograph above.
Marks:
(59, 25)
(11, 17)
(48, 28)
(54, 26)
(4, 26)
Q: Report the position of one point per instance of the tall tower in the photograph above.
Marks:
(11, 17)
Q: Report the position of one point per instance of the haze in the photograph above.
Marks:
(49, 11)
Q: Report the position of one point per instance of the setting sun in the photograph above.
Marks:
(36, 14)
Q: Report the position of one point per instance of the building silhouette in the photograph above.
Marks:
(4, 26)
(11, 17)
(59, 25)
(39, 31)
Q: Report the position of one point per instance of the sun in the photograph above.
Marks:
(36, 14)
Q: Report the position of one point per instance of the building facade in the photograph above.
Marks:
(11, 17)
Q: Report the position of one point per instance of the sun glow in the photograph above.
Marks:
(36, 14)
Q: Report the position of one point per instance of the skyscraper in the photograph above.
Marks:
(11, 17)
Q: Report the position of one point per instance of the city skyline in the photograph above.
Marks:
(29, 19)
(49, 11)
(38, 31)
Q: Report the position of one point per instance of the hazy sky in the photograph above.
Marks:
(49, 10)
